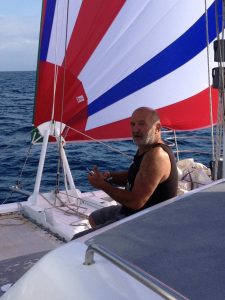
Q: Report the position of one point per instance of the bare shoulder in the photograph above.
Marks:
(156, 162)
(156, 153)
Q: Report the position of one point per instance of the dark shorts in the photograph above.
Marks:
(107, 215)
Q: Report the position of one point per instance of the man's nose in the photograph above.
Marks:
(135, 128)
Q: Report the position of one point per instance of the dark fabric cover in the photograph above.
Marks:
(181, 243)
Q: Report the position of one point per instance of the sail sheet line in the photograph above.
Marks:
(71, 208)
(60, 161)
(100, 142)
(55, 69)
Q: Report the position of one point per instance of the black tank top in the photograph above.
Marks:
(165, 190)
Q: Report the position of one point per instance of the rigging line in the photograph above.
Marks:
(209, 81)
(75, 211)
(20, 175)
(176, 145)
(64, 69)
(63, 98)
(75, 207)
(13, 142)
(100, 142)
(7, 197)
(17, 219)
(34, 134)
(77, 204)
(54, 90)
(67, 194)
(194, 137)
(27, 156)
(220, 89)
(55, 66)
(17, 139)
(221, 51)
(219, 117)
(193, 151)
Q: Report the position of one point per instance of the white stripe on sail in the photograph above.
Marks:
(181, 84)
(56, 50)
(136, 35)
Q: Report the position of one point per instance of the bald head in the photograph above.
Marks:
(145, 127)
(147, 113)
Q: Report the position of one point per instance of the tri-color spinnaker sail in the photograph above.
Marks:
(99, 60)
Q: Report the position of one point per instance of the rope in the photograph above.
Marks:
(55, 66)
(18, 181)
(25, 162)
(68, 206)
(100, 142)
(59, 167)
(220, 115)
(15, 217)
(176, 145)
(55, 76)
(209, 81)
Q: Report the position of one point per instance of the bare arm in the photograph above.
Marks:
(119, 178)
(155, 168)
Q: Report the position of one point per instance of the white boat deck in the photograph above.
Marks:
(65, 214)
(22, 244)
(174, 249)
(29, 230)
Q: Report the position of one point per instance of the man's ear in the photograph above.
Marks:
(158, 127)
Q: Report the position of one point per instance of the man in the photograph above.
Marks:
(151, 179)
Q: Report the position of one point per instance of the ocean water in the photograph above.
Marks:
(18, 161)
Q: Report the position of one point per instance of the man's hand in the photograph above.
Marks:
(97, 179)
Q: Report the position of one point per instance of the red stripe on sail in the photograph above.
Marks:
(94, 19)
(190, 114)
(72, 103)
(117, 130)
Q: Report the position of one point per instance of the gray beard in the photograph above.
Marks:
(145, 142)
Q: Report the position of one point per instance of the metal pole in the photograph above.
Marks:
(40, 166)
(67, 167)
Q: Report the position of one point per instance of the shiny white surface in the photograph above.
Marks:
(61, 275)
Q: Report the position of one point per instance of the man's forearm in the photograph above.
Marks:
(119, 178)
(121, 196)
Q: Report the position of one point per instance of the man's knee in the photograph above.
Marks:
(91, 221)
(105, 216)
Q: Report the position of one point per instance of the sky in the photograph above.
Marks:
(19, 34)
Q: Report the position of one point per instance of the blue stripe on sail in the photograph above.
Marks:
(187, 46)
(47, 28)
